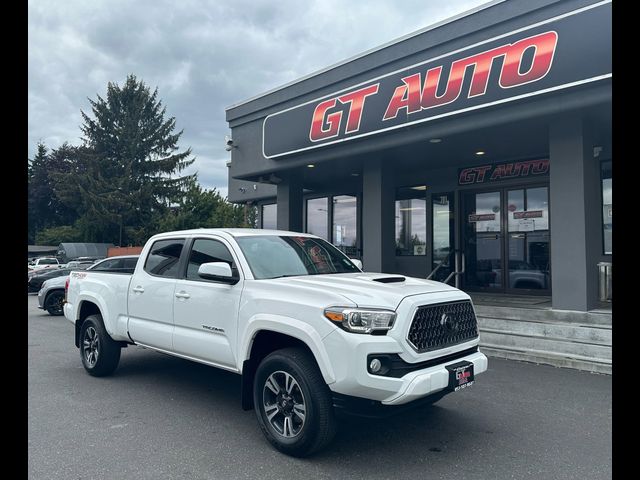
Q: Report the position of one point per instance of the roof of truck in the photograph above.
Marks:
(238, 232)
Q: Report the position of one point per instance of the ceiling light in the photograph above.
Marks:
(480, 152)
(435, 140)
(311, 165)
(355, 174)
(419, 187)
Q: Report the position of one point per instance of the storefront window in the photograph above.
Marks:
(269, 214)
(318, 217)
(345, 209)
(607, 207)
(411, 220)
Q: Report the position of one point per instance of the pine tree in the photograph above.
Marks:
(131, 161)
(40, 192)
(45, 207)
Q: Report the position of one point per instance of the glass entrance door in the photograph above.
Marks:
(482, 231)
(528, 240)
(506, 240)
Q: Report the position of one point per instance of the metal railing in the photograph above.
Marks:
(459, 268)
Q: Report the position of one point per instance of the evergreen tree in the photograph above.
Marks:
(130, 166)
(45, 171)
(39, 192)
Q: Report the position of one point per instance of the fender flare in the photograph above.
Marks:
(293, 328)
(104, 311)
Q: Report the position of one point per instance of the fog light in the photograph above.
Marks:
(375, 365)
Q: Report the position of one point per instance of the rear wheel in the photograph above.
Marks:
(293, 403)
(54, 303)
(99, 352)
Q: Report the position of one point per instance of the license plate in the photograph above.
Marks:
(460, 375)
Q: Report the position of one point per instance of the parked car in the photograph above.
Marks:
(79, 264)
(51, 295)
(37, 271)
(44, 262)
(34, 282)
(309, 332)
(118, 264)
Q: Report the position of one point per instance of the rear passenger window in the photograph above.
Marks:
(163, 258)
(206, 251)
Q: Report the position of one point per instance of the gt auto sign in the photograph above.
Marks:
(550, 55)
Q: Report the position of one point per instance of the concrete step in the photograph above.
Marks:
(593, 318)
(591, 334)
(548, 358)
(518, 341)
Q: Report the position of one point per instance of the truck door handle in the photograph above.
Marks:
(138, 289)
(182, 295)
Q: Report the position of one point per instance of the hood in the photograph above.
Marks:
(366, 289)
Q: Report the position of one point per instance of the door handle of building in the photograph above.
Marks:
(138, 289)
(182, 295)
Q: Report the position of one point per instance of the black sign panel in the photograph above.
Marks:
(562, 52)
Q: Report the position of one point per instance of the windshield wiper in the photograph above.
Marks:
(289, 275)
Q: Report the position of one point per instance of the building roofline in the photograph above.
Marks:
(370, 51)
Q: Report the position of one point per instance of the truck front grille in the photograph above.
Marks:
(442, 325)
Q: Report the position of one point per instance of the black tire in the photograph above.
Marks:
(318, 427)
(100, 354)
(54, 303)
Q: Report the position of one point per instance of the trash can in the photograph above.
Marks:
(604, 281)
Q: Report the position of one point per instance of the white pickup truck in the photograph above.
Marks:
(44, 262)
(310, 333)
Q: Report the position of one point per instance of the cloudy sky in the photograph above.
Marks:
(202, 55)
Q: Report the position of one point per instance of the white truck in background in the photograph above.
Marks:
(309, 332)
(44, 262)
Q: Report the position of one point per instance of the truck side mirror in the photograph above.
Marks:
(356, 262)
(218, 272)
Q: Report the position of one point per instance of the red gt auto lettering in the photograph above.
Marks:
(355, 105)
(502, 171)
(544, 45)
(320, 116)
(473, 175)
(415, 96)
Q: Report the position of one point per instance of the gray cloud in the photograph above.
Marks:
(202, 55)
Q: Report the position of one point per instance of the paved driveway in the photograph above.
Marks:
(161, 417)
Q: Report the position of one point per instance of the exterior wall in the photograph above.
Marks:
(246, 119)
(115, 251)
(575, 215)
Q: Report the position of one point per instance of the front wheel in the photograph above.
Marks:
(99, 352)
(293, 403)
(54, 303)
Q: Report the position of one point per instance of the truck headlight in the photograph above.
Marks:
(359, 320)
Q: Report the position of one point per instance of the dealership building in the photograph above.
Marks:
(475, 151)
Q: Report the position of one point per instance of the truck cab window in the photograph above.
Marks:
(206, 251)
(163, 258)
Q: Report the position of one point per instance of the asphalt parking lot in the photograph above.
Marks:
(161, 417)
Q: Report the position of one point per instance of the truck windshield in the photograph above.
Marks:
(271, 256)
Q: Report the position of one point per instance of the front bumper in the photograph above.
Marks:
(41, 297)
(349, 360)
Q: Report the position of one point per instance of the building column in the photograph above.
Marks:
(574, 193)
(378, 213)
(289, 198)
